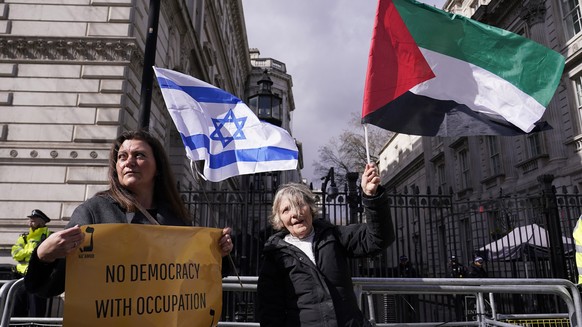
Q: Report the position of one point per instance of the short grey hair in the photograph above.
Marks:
(298, 194)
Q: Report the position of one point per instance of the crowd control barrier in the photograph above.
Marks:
(371, 290)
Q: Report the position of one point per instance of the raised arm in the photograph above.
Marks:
(377, 233)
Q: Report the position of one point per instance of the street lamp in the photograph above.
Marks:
(353, 197)
(333, 190)
(266, 104)
(328, 194)
(149, 61)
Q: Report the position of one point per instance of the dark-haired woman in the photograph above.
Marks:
(141, 188)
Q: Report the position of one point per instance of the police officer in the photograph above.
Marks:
(476, 269)
(407, 304)
(457, 269)
(405, 268)
(28, 304)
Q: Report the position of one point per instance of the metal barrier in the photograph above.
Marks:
(6, 286)
(541, 321)
(367, 288)
(8, 301)
(566, 290)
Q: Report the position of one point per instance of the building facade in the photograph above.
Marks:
(70, 82)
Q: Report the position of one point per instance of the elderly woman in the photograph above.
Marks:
(305, 277)
(142, 190)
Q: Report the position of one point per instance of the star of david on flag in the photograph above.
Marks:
(220, 129)
(238, 134)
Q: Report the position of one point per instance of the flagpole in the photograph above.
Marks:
(197, 176)
(367, 146)
(229, 256)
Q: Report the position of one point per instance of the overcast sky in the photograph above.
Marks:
(324, 44)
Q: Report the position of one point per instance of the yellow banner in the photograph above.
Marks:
(144, 275)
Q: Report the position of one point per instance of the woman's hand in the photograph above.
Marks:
(60, 244)
(370, 180)
(225, 241)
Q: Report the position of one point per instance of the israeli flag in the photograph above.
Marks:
(220, 129)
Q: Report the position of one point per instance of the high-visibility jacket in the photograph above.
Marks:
(577, 234)
(26, 243)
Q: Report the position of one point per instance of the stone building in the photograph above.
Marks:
(70, 82)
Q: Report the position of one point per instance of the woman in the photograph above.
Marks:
(305, 277)
(141, 189)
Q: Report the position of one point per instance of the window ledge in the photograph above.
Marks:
(531, 164)
(465, 192)
(493, 180)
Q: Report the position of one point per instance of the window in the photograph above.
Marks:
(534, 145)
(441, 176)
(494, 156)
(254, 104)
(464, 169)
(571, 13)
(578, 95)
(473, 7)
(578, 85)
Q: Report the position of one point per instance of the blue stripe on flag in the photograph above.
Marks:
(265, 154)
(196, 141)
(226, 158)
(200, 93)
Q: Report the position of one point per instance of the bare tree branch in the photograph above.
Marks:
(347, 152)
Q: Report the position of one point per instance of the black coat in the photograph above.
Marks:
(48, 279)
(458, 271)
(292, 291)
(476, 271)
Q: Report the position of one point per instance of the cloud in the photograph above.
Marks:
(324, 45)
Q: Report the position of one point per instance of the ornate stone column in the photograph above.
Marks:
(533, 12)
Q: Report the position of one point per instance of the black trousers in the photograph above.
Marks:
(29, 305)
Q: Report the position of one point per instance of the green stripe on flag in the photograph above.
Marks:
(531, 67)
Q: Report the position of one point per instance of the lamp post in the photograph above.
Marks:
(148, 62)
(353, 197)
(333, 190)
(266, 104)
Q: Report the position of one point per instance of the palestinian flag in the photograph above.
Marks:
(434, 73)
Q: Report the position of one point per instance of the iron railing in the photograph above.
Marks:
(429, 229)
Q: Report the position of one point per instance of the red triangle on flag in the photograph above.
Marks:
(395, 63)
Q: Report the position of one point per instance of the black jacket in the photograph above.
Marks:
(476, 271)
(49, 279)
(292, 291)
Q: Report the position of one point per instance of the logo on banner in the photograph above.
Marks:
(85, 250)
